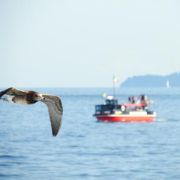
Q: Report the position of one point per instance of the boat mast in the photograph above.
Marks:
(114, 85)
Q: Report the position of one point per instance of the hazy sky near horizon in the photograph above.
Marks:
(83, 43)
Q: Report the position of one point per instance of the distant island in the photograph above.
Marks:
(171, 80)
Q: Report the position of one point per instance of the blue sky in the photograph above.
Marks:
(68, 43)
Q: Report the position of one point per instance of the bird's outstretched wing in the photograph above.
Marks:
(55, 109)
(13, 92)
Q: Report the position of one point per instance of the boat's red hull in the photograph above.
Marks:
(125, 118)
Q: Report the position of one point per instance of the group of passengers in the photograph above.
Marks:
(142, 100)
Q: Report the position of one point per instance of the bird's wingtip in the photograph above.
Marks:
(54, 134)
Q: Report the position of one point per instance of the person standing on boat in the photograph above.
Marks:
(132, 99)
(144, 101)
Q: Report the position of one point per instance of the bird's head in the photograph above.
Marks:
(33, 97)
(38, 97)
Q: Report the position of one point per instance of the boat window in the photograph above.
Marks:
(112, 102)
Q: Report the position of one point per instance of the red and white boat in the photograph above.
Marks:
(111, 111)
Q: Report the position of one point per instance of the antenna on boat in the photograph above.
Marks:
(115, 80)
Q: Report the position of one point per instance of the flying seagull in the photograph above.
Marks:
(53, 103)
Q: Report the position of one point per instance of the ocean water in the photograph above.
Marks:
(85, 148)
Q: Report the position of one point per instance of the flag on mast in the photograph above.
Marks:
(115, 79)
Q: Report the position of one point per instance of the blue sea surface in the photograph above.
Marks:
(85, 148)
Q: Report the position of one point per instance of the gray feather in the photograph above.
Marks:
(55, 109)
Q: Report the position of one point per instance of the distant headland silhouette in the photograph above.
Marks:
(171, 80)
